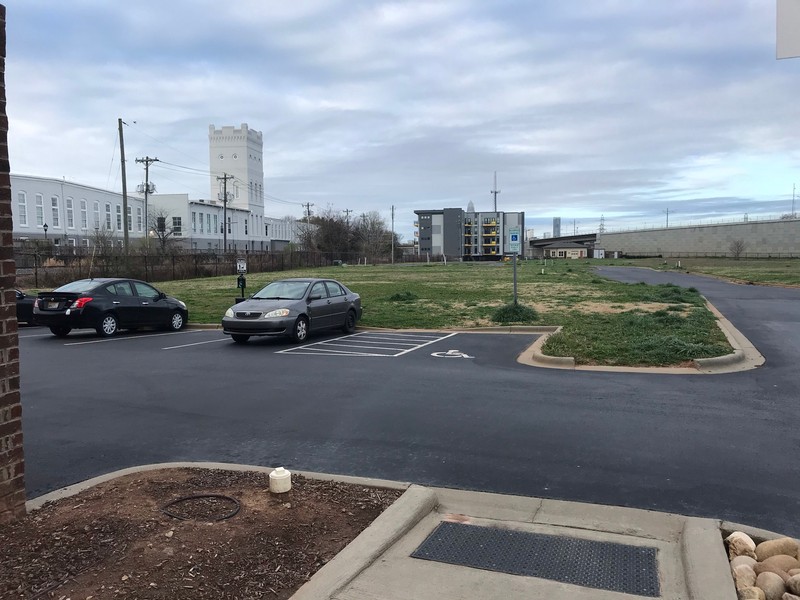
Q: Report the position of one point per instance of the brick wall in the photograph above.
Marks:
(12, 464)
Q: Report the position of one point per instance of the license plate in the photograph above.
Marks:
(52, 305)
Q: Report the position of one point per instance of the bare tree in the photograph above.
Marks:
(737, 248)
(373, 236)
(160, 226)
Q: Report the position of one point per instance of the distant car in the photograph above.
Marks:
(24, 307)
(294, 308)
(108, 305)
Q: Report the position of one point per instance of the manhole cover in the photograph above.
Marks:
(599, 565)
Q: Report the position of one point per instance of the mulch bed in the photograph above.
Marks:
(236, 540)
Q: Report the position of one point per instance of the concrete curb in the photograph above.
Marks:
(745, 355)
(383, 532)
(705, 564)
(77, 488)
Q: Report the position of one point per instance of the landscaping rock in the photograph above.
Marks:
(751, 593)
(785, 545)
(744, 576)
(793, 585)
(765, 568)
(772, 585)
(744, 560)
(740, 544)
(788, 596)
(782, 562)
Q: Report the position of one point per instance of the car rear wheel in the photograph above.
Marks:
(176, 321)
(239, 338)
(60, 331)
(108, 325)
(300, 331)
(349, 322)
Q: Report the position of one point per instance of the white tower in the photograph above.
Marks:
(238, 152)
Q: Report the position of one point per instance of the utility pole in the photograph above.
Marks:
(602, 224)
(793, 187)
(124, 187)
(224, 180)
(574, 227)
(308, 206)
(667, 213)
(392, 233)
(147, 162)
(495, 191)
(347, 212)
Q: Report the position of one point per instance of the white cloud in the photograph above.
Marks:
(607, 107)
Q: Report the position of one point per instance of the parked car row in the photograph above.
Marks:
(288, 307)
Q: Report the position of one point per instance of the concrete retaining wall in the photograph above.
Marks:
(761, 239)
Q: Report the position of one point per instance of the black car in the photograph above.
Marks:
(108, 305)
(24, 307)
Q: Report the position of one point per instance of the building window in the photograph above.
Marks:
(108, 216)
(139, 213)
(236, 189)
(70, 213)
(22, 209)
(96, 211)
(85, 242)
(84, 215)
(266, 229)
(208, 222)
(119, 218)
(202, 224)
(229, 225)
(176, 225)
(56, 215)
(194, 222)
(130, 218)
(216, 224)
(245, 225)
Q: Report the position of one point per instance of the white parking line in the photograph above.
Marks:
(368, 343)
(131, 337)
(225, 339)
(25, 337)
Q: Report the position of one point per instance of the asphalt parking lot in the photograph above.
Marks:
(436, 408)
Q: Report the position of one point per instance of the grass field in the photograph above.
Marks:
(773, 271)
(604, 322)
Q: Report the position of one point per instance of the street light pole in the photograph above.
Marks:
(45, 231)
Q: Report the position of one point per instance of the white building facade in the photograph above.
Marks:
(72, 215)
(69, 214)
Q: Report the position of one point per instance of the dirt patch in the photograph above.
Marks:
(618, 307)
(114, 541)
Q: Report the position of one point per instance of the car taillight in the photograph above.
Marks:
(36, 303)
(80, 302)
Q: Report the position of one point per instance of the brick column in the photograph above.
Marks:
(12, 464)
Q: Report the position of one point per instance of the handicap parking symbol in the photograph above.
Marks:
(451, 354)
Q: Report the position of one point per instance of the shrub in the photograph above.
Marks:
(514, 313)
(403, 297)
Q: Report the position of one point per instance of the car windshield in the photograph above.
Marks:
(81, 286)
(283, 290)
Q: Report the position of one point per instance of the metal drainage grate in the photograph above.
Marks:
(599, 565)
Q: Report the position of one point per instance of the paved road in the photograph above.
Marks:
(719, 446)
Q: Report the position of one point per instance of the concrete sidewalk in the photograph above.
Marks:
(689, 555)
(691, 560)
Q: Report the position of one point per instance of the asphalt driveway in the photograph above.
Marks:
(457, 411)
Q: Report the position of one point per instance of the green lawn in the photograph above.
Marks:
(604, 322)
(774, 271)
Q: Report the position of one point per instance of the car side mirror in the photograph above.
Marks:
(161, 296)
(315, 297)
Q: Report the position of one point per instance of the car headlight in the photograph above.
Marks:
(182, 304)
(281, 312)
(229, 313)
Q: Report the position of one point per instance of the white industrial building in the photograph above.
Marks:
(69, 214)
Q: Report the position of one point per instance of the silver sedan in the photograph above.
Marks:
(294, 308)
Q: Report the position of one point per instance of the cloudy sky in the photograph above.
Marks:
(612, 108)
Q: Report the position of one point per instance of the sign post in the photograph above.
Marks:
(241, 269)
(514, 247)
